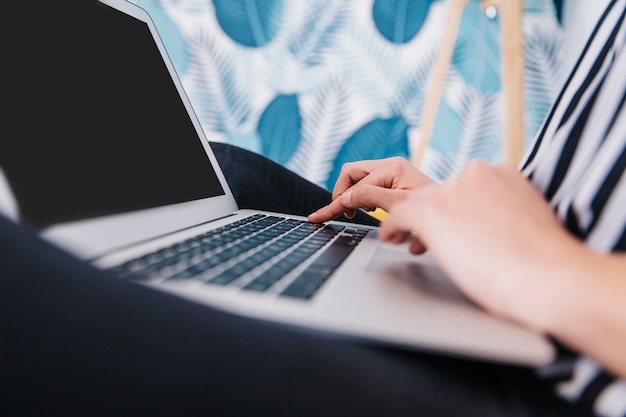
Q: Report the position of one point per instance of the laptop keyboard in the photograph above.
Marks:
(259, 253)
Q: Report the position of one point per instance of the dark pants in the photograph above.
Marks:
(75, 341)
(258, 183)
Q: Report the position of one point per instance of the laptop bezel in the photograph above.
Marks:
(91, 238)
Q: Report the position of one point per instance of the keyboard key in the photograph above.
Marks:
(243, 248)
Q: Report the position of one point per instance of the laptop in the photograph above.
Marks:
(116, 169)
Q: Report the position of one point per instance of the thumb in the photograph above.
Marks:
(371, 196)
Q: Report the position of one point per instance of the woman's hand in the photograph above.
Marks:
(490, 230)
(370, 185)
(501, 243)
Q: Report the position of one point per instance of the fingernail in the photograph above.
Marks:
(346, 198)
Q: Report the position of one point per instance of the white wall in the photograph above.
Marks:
(579, 19)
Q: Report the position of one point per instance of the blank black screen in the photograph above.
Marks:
(93, 123)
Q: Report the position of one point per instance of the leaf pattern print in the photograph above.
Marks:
(317, 32)
(324, 128)
(542, 64)
(221, 101)
(251, 23)
(398, 21)
(313, 83)
(279, 128)
(477, 58)
(469, 127)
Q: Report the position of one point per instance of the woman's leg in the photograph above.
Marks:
(259, 183)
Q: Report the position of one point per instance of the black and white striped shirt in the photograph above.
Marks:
(579, 163)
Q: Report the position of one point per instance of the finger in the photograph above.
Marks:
(359, 196)
(398, 225)
(368, 196)
(332, 210)
(392, 235)
(352, 173)
(352, 177)
(507, 168)
(417, 247)
(372, 175)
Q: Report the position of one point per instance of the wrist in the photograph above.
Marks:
(554, 285)
(574, 295)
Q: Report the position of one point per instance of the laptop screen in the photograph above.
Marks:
(95, 125)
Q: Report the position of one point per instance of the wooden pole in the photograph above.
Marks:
(512, 50)
(511, 15)
(431, 102)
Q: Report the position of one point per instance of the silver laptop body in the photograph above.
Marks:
(380, 294)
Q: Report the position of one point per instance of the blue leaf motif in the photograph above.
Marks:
(400, 20)
(467, 127)
(279, 128)
(219, 98)
(477, 58)
(169, 32)
(379, 138)
(251, 23)
(319, 30)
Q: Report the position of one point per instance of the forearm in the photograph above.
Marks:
(584, 305)
(503, 246)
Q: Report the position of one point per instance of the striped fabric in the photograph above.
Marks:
(579, 163)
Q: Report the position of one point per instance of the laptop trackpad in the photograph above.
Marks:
(418, 273)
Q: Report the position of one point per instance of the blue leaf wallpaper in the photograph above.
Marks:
(313, 84)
